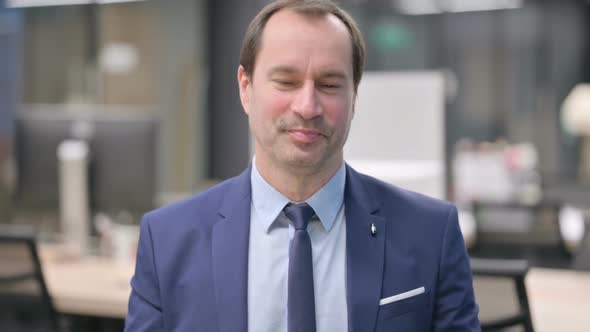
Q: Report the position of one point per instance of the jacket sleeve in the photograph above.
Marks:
(145, 310)
(455, 308)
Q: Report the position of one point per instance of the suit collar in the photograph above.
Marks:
(269, 202)
(237, 191)
(364, 253)
(230, 255)
(356, 188)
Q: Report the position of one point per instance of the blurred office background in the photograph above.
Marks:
(148, 88)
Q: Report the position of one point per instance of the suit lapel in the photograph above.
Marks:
(230, 256)
(364, 254)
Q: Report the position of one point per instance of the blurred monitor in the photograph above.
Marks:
(123, 156)
(123, 164)
(37, 137)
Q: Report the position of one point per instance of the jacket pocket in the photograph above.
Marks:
(413, 303)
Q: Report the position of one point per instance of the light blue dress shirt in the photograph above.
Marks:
(268, 256)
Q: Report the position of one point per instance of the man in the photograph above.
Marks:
(300, 241)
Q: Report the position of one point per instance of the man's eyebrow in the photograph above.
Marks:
(333, 74)
(282, 70)
(289, 70)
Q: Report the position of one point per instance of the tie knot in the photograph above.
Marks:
(299, 214)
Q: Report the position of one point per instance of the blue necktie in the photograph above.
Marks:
(301, 305)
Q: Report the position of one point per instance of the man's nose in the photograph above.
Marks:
(306, 102)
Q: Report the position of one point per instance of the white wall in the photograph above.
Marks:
(398, 132)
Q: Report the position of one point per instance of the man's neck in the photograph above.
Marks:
(295, 183)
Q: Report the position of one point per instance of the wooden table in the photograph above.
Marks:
(559, 300)
(98, 286)
(88, 286)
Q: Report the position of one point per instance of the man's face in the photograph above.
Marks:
(300, 97)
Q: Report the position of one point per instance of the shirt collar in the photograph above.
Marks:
(326, 202)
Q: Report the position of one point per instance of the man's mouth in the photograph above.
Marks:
(305, 135)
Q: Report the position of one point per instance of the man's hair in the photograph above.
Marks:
(316, 8)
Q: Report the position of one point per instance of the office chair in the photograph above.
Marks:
(501, 293)
(25, 303)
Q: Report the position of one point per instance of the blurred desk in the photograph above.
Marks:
(559, 299)
(88, 286)
(98, 286)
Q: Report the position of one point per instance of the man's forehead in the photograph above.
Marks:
(292, 70)
(289, 34)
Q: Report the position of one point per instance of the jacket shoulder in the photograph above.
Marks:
(392, 195)
(202, 206)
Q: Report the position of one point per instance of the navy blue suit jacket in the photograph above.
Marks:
(192, 262)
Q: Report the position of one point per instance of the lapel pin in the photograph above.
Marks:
(373, 229)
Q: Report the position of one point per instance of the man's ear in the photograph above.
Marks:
(354, 104)
(244, 83)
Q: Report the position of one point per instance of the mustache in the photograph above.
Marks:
(316, 124)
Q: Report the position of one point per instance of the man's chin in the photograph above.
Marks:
(303, 160)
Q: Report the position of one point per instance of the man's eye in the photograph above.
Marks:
(330, 86)
(285, 83)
